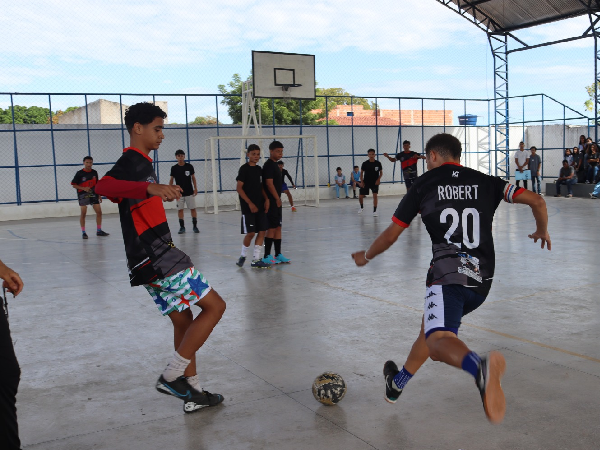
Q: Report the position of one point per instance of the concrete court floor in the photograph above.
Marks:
(91, 347)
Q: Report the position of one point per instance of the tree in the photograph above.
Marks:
(338, 96)
(31, 114)
(591, 90)
(283, 113)
(205, 120)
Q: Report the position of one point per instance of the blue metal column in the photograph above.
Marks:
(327, 134)
(17, 179)
(187, 129)
(53, 147)
(499, 46)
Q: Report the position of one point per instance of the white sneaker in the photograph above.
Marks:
(360, 210)
(375, 214)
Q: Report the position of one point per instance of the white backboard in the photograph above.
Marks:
(271, 71)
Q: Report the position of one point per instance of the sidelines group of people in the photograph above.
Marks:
(457, 205)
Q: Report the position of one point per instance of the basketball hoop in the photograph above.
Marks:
(286, 94)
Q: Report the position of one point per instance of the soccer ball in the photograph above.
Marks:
(329, 388)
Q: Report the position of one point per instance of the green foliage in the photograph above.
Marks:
(338, 96)
(284, 113)
(205, 120)
(31, 114)
(591, 90)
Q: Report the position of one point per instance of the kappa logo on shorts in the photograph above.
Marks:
(431, 317)
(431, 305)
(431, 294)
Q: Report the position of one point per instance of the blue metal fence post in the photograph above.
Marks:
(187, 128)
(327, 135)
(17, 178)
(87, 125)
(352, 127)
(543, 129)
(53, 147)
(156, 166)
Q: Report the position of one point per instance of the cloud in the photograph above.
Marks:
(155, 33)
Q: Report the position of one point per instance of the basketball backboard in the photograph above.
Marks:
(283, 75)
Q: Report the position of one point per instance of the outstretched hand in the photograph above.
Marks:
(544, 237)
(359, 258)
(168, 193)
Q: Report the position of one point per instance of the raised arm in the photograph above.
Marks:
(391, 158)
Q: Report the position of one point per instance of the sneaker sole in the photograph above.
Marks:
(494, 402)
(387, 399)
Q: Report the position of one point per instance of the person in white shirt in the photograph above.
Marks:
(522, 161)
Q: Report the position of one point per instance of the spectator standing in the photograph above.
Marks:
(183, 175)
(535, 166)
(85, 182)
(592, 172)
(522, 161)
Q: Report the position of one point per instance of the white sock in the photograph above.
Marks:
(244, 250)
(176, 367)
(194, 381)
(257, 249)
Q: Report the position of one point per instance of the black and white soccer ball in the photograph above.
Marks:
(329, 388)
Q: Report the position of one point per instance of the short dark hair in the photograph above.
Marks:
(275, 144)
(339, 168)
(280, 162)
(371, 150)
(533, 147)
(179, 152)
(252, 147)
(565, 161)
(446, 145)
(85, 158)
(355, 167)
(521, 142)
(143, 113)
(406, 142)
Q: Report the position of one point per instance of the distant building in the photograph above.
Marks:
(394, 117)
(100, 112)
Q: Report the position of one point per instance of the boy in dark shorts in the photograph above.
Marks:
(85, 182)
(272, 182)
(254, 205)
(284, 187)
(370, 177)
(355, 180)
(408, 160)
(182, 174)
(457, 206)
(154, 262)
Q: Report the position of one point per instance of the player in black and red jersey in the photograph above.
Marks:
(153, 260)
(408, 160)
(457, 206)
(85, 182)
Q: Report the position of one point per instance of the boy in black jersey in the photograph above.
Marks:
(254, 205)
(183, 175)
(85, 182)
(284, 187)
(408, 160)
(457, 206)
(154, 262)
(272, 182)
(370, 177)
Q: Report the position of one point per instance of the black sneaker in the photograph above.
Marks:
(489, 374)
(260, 264)
(181, 230)
(241, 261)
(392, 393)
(84, 236)
(102, 233)
(201, 400)
(196, 230)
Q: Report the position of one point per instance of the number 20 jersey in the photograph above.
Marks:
(457, 206)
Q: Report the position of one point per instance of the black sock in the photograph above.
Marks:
(361, 206)
(268, 244)
(277, 246)
(181, 223)
(374, 208)
(194, 221)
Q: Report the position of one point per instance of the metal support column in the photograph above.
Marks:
(499, 46)
(595, 31)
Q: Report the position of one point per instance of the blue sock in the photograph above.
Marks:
(471, 363)
(402, 378)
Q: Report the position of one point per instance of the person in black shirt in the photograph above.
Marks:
(272, 182)
(85, 182)
(370, 177)
(284, 187)
(408, 160)
(457, 206)
(183, 175)
(254, 205)
(10, 373)
(154, 261)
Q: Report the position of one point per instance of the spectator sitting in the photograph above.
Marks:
(566, 176)
(578, 165)
(340, 181)
(355, 180)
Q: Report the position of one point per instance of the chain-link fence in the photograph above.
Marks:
(44, 137)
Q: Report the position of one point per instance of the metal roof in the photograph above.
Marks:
(505, 16)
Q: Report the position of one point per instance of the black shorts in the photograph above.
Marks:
(87, 198)
(253, 222)
(365, 190)
(409, 180)
(445, 306)
(274, 216)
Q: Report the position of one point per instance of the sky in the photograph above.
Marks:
(386, 48)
